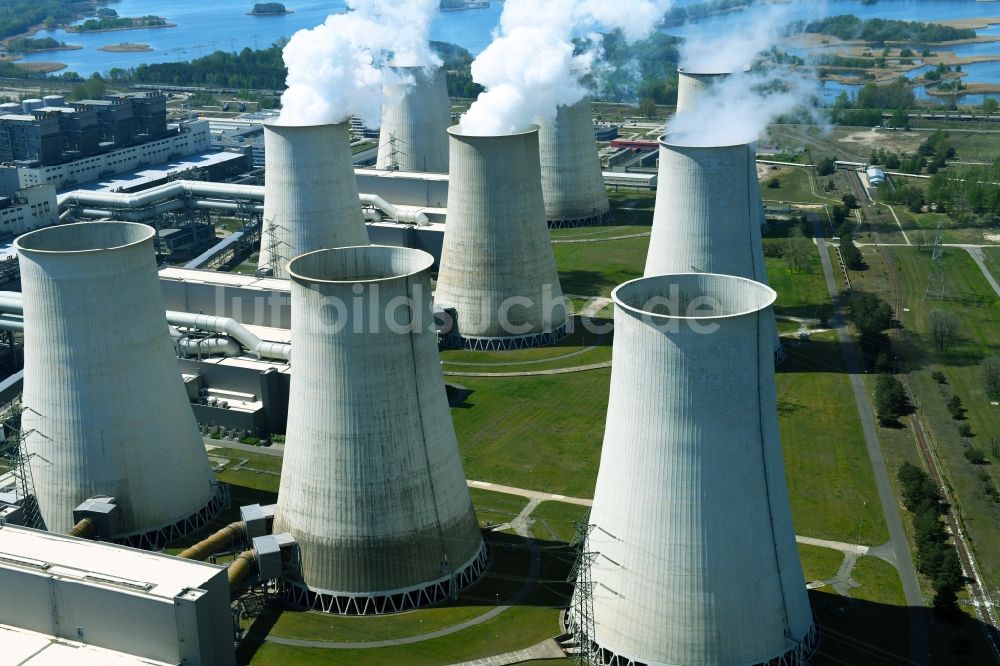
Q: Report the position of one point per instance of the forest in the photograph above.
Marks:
(18, 16)
(879, 31)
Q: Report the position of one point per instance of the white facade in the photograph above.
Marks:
(194, 137)
(372, 485)
(147, 605)
(104, 407)
(415, 120)
(497, 267)
(698, 564)
(311, 197)
(29, 208)
(572, 183)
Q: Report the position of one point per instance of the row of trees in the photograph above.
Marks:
(879, 31)
(117, 23)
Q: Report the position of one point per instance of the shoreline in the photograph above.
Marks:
(68, 47)
(42, 67)
(134, 27)
(287, 11)
(126, 47)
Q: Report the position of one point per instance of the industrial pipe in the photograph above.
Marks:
(85, 529)
(11, 324)
(241, 568)
(232, 328)
(201, 346)
(224, 538)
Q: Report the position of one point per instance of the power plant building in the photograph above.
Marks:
(498, 274)
(105, 413)
(311, 197)
(691, 518)
(572, 182)
(415, 119)
(372, 486)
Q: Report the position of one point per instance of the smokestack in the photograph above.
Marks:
(572, 182)
(692, 86)
(691, 515)
(310, 193)
(708, 213)
(497, 267)
(415, 120)
(104, 409)
(372, 485)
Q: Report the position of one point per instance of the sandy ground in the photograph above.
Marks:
(125, 48)
(892, 140)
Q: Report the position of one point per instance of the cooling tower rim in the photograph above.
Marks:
(427, 69)
(455, 131)
(764, 295)
(671, 141)
(24, 243)
(420, 262)
(277, 125)
(696, 71)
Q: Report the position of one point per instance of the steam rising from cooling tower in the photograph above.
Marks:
(336, 69)
(105, 412)
(372, 485)
(697, 560)
(415, 119)
(707, 49)
(310, 193)
(497, 267)
(533, 66)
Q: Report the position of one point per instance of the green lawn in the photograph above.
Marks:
(802, 292)
(594, 269)
(542, 433)
(497, 508)
(879, 582)
(794, 186)
(819, 563)
(556, 521)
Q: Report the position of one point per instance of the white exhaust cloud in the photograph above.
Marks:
(337, 69)
(533, 67)
(709, 51)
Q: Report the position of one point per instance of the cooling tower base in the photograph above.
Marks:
(442, 589)
(798, 655)
(157, 538)
(504, 344)
(607, 217)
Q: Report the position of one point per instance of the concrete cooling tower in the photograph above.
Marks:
(498, 272)
(692, 86)
(415, 121)
(696, 563)
(372, 485)
(572, 182)
(104, 408)
(310, 193)
(708, 214)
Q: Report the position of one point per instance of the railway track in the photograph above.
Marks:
(982, 601)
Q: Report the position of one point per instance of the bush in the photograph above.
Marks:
(250, 441)
(939, 377)
(991, 376)
(216, 435)
(974, 455)
(965, 430)
(955, 408)
(826, 166)
(276, 438)
(774, 184)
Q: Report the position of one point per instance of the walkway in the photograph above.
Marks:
(976, 251)
(532, 373)
(900, 553)
(547, 649)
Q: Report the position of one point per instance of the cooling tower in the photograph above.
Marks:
(104, 407)
(372, 485)
(572, 182)
(497, 271)
(691, 86)
(697, 561)
(415, 121)
(310, 193)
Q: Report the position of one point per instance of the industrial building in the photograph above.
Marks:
(498, 274)
(691, 516)
(311, 197)
(24, 208)
(415, 119)
(372, 486)
(572, 183)
(104, 411)
(73, 601)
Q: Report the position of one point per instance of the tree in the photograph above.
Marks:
(990, 106)
(826, 166)
(991, 376)
(774, 183)
(797, 250)
(851, 254)
(890, 399)
(944, 327)
(955, 407)
(850, 201)
(900, 119)
(647, 107)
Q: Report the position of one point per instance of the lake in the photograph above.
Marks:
(224, 25)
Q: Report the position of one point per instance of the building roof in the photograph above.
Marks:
(101, 564)
(28, 648)
(159, 171)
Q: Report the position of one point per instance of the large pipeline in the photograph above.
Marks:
(230, 534)
(139, 206)
(241, 568)
(84, 529)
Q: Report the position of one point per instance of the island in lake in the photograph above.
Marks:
(125, 47)
(38, 45)
(111, 23)
(269, 9)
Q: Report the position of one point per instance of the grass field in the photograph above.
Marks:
(819, 563)
(879, 582)
(555, 521)
(594, 269)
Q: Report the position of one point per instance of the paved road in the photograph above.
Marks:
(901, 556)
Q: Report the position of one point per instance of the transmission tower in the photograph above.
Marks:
(12, 449)
(581, 622)
(394, 153)
(269, 239)
(935, 277)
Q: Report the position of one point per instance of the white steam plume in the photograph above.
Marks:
(739, 108)
(707, 51)
(533, 67)
(336, 69)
